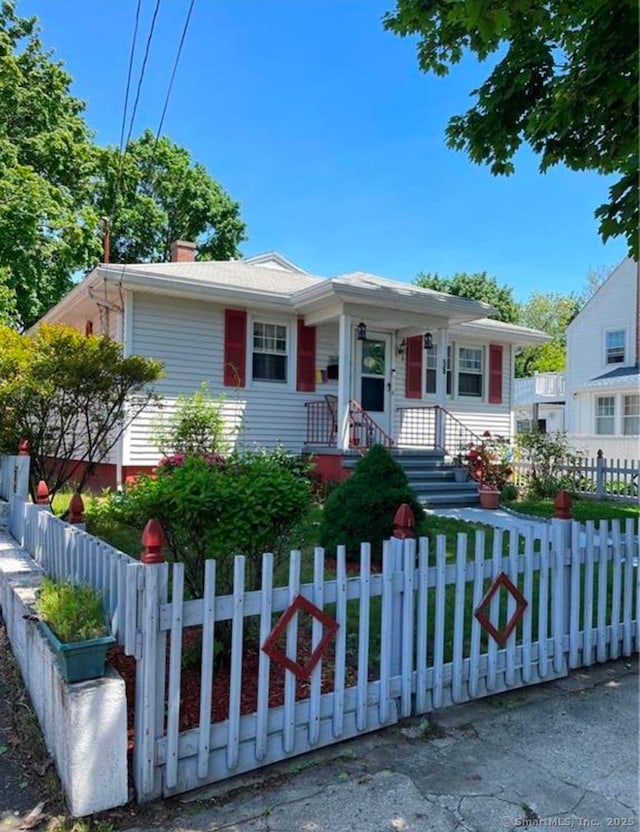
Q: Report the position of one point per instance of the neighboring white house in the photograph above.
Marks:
(314, 363)
(538, 403)
(602, 381)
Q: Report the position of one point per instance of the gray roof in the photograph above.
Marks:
(620, 377)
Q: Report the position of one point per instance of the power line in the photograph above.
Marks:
(143, 68)
(173, 72)
(131, 57)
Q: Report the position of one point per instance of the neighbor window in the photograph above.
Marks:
(524, 425)
(605, 415)
(631, 415)
(470, 372)
(269, 352)
(431, 364)
(615, 346)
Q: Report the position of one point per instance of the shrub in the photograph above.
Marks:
(361, 509)
(250, 505)
(489, 461)
(550, 459)
(196, 426)
(74, 612)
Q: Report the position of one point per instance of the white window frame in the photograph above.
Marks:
(483, 372)
(598, 416)
(614, 331)
(289, 351)
(627, 417)
(433, 352)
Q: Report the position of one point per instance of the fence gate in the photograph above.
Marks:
(245, 677)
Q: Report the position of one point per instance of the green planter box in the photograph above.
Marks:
(78, 660)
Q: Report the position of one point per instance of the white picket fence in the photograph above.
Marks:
(611, 479)
(407, 639)
(67, 551)
(14, 476)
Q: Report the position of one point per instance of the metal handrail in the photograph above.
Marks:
(365, 431)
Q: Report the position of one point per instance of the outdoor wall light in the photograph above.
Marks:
(402, 348)
(361, 329)
(428, 341)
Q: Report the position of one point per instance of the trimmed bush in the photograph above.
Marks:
(361, 509)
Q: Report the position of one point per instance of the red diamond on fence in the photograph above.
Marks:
(302, 671)
(501, 636)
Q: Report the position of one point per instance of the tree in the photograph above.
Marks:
(71, 396)
(153, 195)
(552, 313)
(565, 81)
(477, 286)
(47, 227)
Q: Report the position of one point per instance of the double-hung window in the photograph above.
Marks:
(470, 371)
(631, 415)
(605, 415)
(431, 364)
(614, 346)
(269, 351)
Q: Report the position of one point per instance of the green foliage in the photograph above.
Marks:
(477, 286)
(551, 312)
(564, 79)
(546, 455)
(73, 611)
(361, 509)
(490, 460)
(71, 396)
(249, 506)
(154, 195)
(47, 228)
(196, 426)
(56, 184)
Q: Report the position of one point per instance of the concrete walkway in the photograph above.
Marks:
(499, 518)
(562, 754)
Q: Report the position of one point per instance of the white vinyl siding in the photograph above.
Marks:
(188, 336)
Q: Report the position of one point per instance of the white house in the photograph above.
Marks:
(602, 381)
(538, 402)
(322, 364)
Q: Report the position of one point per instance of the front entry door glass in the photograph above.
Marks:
(373, 375)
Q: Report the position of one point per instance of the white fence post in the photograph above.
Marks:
(150, 667)
(600, 480)
(561, 525)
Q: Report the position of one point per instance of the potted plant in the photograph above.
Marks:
(460, 469)
(492, 461)
(72, 619)
(332, 367)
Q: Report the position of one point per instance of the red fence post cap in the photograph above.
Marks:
(562, 504)
(152, 540)
(42, 494)
(24, 448)
(404, 522)
(76, 509)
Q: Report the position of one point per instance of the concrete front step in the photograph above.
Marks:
(450, 500)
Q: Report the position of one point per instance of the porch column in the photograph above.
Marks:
(441, 384)
(344, 380)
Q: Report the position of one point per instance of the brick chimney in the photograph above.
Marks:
(183, 252)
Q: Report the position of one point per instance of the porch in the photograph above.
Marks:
(429, 439)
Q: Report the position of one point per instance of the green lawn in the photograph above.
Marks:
(583, 510)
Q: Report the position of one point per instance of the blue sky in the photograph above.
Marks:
(319, 123)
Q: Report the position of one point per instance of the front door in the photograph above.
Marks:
(373, 378)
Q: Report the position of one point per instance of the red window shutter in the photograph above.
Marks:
(495, 374)
(235, 348)
(413, 380)
(306, 363)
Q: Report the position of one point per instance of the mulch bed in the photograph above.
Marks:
(190, 676)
